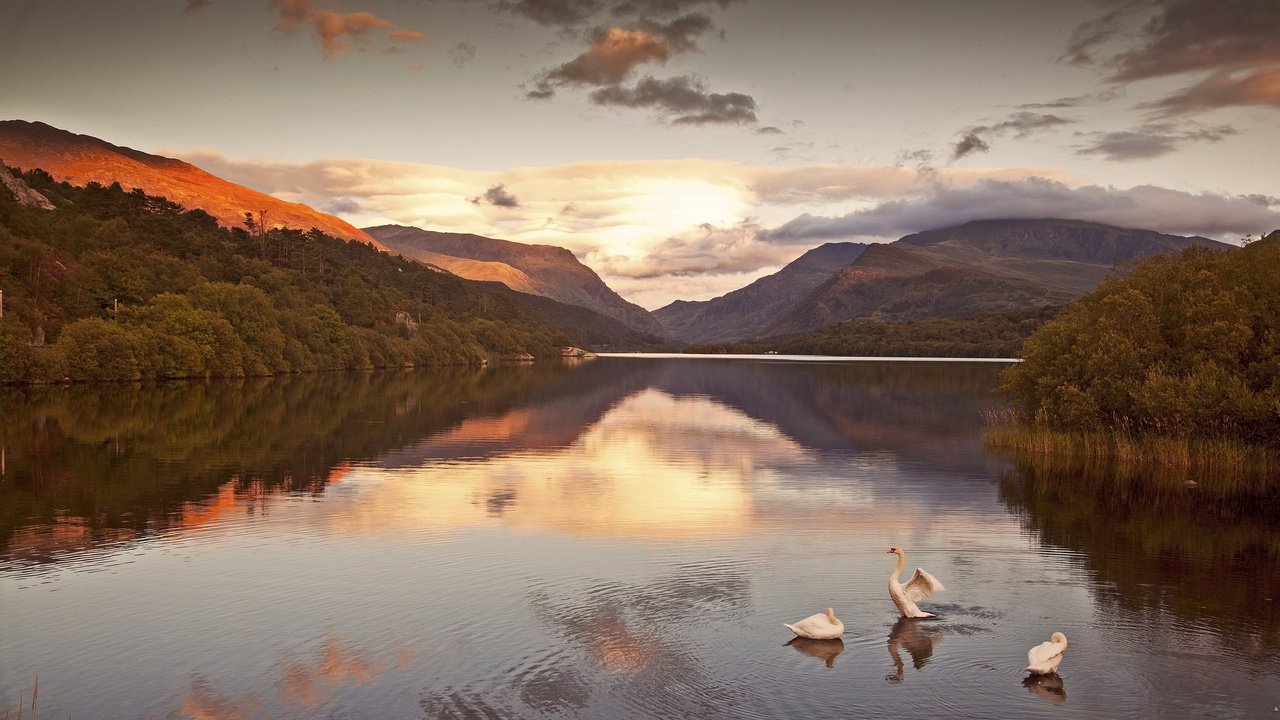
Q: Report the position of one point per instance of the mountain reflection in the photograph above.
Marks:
(1208, 556)
(88, 466)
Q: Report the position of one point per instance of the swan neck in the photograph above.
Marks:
(902, 563)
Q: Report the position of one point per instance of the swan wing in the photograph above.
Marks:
(1040, 658)
(921, 585)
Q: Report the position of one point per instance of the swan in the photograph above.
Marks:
(820, 626)
(920, 586)
(1043, 659)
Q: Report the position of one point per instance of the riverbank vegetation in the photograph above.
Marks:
(1175, 362)
(114, 285)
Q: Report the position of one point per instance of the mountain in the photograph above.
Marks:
(981, 266)
(81, 159)
(748, 311)
(552, 272)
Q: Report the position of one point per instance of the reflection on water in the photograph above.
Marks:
(824, 650)
(1202, 556)
(915, 635)
(1048, 687)
(611, 539)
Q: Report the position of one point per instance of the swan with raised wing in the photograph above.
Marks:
(1044, 658)
(920, 586)
(820, 626)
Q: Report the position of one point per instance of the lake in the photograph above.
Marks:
(616, 538)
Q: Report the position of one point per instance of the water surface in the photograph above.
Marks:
(620, 538)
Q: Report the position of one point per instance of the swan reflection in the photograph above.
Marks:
(917, 638)
(1048, 687)
(824, 650)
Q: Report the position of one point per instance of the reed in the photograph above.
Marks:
(1123, 446)
(35, 699)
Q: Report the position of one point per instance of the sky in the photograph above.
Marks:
(683, 148)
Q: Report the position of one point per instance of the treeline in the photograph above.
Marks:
(121, 285)
(1185, 345)
(985, 335)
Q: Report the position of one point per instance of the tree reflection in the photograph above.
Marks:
(1208, 553)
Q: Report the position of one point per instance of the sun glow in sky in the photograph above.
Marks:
(683, 147)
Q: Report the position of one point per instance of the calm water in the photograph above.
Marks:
(617, 539)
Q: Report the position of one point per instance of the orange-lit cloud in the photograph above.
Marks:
(1225, 89)
(337, 31)
(407, 35)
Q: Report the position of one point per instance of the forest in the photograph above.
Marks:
(1184, 345)
(983, 335)
(118, 285)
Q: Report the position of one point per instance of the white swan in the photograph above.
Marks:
(1043, 659)
(920, 586)
(821, 626)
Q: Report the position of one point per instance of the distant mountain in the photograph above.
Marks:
(981, 266)
(81, 159)
(749, 311)
(546, 270)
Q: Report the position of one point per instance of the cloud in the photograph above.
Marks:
(553, 13)
(1223, 89)
(968, 145)
(1020, 124)
(194, 5)
(342, 205)
(681, 100)
(679, 34)
(664, 7)
(769, 130)
(1235, 40)
(1144, 206)
(462, 53)
(407, 35)
(337, 31)
(608, 61)
(497, 196)
(1150, 141)
(632, 221)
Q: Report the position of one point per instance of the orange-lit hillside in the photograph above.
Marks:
(80, 159)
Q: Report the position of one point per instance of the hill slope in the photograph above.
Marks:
(552, 272)
(979, 267)
(748, 311)
(81, 159)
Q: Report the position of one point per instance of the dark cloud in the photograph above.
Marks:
(680, 34)
(662, 8)
(608, 61)
(1144, 206)
(1150, 141)
(497, 196)
(462, 53)
(967, 145)
(1020, 124)
(769, 130)
(553, 13)
(342, 205)
(1236, 40)
(194, 5)
(681, 100)
(1073, 101)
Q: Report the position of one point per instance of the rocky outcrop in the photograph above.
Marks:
(21, 191)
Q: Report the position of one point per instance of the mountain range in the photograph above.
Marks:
(981, 266)
(546, 270)
(82, 159)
